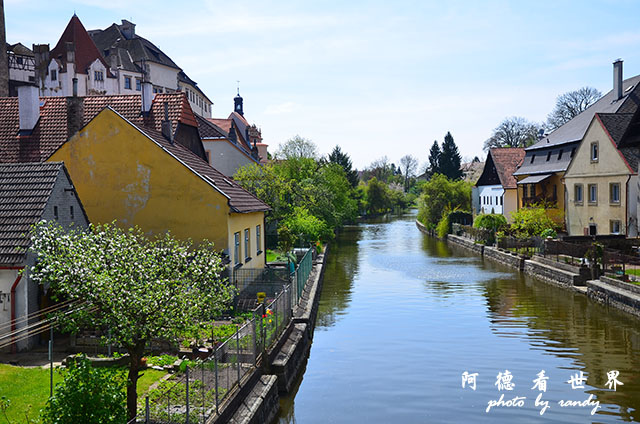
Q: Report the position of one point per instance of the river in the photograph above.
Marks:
(403, 315)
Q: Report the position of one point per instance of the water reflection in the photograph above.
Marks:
(402, 315)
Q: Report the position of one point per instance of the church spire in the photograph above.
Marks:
(237, 102)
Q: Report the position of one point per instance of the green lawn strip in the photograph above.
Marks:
(30, 386)
(24, 387)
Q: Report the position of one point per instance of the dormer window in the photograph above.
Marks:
(594, 151)
(54, 75)
(98, 76)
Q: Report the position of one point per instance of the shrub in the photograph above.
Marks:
(490, 221)
(532, 221)
(549, 232)
(88, 395)
(443, 226)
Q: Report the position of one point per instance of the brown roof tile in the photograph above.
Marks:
(506, 161)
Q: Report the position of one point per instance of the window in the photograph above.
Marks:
(19, 60)
(549, 156)
(577, 193)
(532, 158)
(532, 190)
(560, 154)
(236, 248)
(247, 250)
(614, 226)
(71, 211)
(593, 193)
(258, 241)
(54, 75)
(98, 76)
(555, 192)
(138, 84)
(127, 83)
(614, 193)
(594, 151)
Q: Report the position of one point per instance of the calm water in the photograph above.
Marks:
(402, 316)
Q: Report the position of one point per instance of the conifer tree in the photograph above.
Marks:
(434, 159)
(339, 157)
(450, 159)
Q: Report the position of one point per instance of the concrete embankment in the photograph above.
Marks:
(619, 294)
(257, 400)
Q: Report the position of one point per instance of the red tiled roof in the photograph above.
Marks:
(506, 161)
(86, 51)
(51, 130)
(224, 124)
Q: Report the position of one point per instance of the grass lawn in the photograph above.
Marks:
(30, 386)
(272, 256)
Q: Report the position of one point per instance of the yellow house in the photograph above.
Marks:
(541, 175)
(140, 163)
(602, 180)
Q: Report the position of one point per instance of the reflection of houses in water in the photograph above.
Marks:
(568, 325)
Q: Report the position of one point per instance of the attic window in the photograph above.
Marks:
(560, 154)
(549, 156)
(532, 158)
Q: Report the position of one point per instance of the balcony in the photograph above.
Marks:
(548, 201)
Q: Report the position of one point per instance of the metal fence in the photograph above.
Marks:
(302, 273)
(196, 392)
(476, 234)
(528, 246)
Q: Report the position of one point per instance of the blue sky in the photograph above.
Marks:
(376, 77)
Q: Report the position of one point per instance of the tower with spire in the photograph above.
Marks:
(237, 102)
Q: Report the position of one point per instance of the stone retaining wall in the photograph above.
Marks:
(615, 295)
(466, 243)
(505, 258)
(551, 274)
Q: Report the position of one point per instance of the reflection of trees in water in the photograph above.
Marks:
(340, 271)
(569, 325)
(435, 247)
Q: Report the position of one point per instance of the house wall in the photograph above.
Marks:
(238, 222)
(225, 157)
(163, 76)
(510, 203)
(556, 213)
(123, 175)
(199, 104)
(7, 278)
(490, 198)
(610, 168)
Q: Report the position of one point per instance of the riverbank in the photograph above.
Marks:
(605, 290)
(256, 399)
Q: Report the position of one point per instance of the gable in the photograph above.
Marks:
(121, 173)
(610, 161)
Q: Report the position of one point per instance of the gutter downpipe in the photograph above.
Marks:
(13, 302)
(626, 206)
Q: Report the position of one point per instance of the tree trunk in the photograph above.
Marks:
(135, 356)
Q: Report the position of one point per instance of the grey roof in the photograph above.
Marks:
(24, 192)
(541, 162)
(20, 49)
(575, 129)
(208, 129)
(616, 124)
(632, 156)
(140, 48)
(182, 76)
(123, 59)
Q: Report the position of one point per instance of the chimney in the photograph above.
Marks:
(28, 108)
(147, 97)
(75, 115)
(128, 29)
(166, 124)
(41, 56)
(71, 52)
(617, 79)
(232, 133)
(4, 66)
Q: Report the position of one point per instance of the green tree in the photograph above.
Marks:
(513, 132)
(88, 395)
(337, 156)
(434, 159)
(440, 194)
(450, 159)
(135, 288)
(377, 197)
(532, 221)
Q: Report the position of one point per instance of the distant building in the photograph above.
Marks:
(109, 62)
(22, 67)
(232, 142)
(497, 191)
